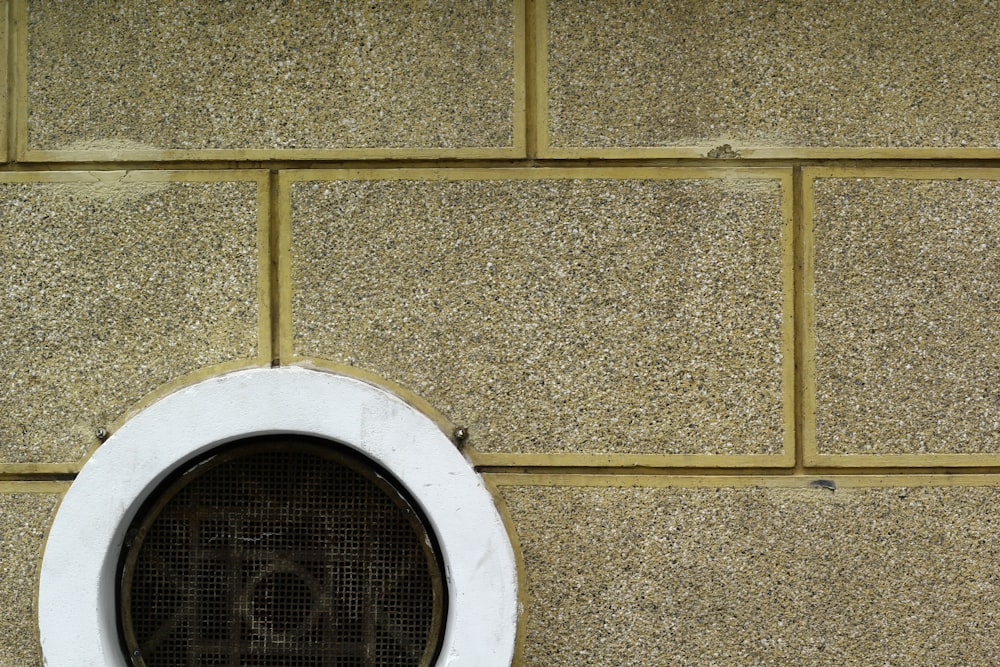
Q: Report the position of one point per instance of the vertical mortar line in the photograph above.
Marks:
(799, 313)
(808, 343)
(265, 306)
(8, 64)
(19, 104)
(538, 89)
(788, 318)
(528, 17)
(16, 18)
(274, 249)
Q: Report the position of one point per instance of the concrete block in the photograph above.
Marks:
(24, 519)
(551, 314)
(907, 312)
(861, 73)
(113, 288)
(758, 576)
(310, 75)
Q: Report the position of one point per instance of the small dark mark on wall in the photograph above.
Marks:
(723, 151)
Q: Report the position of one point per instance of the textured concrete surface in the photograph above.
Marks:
(259, 75)
(629, 316)
(907, 316)
(629, 73)
(24, 518)
(674, 576)
(110, 291)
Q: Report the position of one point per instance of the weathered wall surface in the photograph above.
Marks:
(907, 312)
(288, 75)
(668, 262)
(115, 287)
(846, 74)
(746, 576)
(554, 310)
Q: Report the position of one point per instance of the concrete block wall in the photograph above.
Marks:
(712, 285)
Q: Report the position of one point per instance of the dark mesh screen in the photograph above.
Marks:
(280, 553)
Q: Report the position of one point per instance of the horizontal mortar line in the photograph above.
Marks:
(37, 477)
(653, 471)
(638, 471)
(279, 163)
(649, 472)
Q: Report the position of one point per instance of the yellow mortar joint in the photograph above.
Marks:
(531, 70)
(841, 516)
(5, 59)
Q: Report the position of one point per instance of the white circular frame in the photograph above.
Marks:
(77, 607)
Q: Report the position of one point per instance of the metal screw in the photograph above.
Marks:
(461, 434)
(102, 434)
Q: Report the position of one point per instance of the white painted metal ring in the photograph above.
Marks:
(77, 603)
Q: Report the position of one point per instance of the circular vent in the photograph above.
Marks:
(280, 552)
(129, 482)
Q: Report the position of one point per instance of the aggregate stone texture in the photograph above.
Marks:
(555, 316)
(894, 73)
(309, 74)
(754, 576)
(907, 315)
(24, 518)
(109, 292)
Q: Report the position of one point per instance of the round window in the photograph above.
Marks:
(280, 551)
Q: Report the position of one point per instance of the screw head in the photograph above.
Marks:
(102, 434)
(461, 434)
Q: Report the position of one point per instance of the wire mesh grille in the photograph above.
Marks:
(280, 554)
